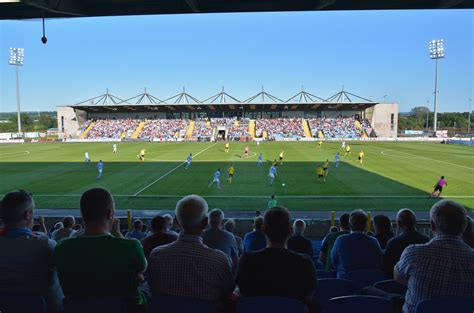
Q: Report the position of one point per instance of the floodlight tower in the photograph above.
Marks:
(436, 52)
(17, 57)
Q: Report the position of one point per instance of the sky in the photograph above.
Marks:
(371, 53)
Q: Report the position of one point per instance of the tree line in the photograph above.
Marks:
(416, 120)
(30, 122)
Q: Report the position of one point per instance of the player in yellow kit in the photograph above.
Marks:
(361, 156)
(226, 149)
(348, 150)
(141, 156)
(326, 167)
(320, 173)
(231, 173)
(281, 157)
(320, 143)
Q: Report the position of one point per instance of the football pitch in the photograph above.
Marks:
(394, 174)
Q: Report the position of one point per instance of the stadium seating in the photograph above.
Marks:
(326, 274)
(443, 305)
(366, 304)
(202, 129)
(175, 304)
(94, 306)
(364, 278)
(19, 303)
(280, 128)
(391, 286)
(269, 304)
(112, 129)
(166, 129)
(329, 288)
(342, 127)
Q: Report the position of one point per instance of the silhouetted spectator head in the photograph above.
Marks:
(169, 221)
(382, 225)
(277, 225)
(448, 218)
(78, 227)
(229, 225)
(468, 235)
(299, 227)
(58, 225)
(17, 209)
(333, 229)
(258, 223)
(97, 207)
(358, 220)
(216, 218)
(137, 225)
(69, 222)
(406, 219)
(344, 222)
(158, 224)
(191, 214)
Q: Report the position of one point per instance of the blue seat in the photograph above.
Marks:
(366, 304)
(391, 286)
(329, 288)
(20, 303)
(177, 304)
(94, 305)
(326, 274)
(364, 278)
(442, 305)
(270, 305)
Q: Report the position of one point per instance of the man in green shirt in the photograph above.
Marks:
(272, 202)
(328, 242)
(97, 264)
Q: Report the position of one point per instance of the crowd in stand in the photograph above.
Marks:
(112, 128)
(242, 130)
(166, 129)
(341, 127)
(202, 129)
(206, 261)
(280, 127)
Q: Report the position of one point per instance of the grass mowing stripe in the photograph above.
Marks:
(170, 171)
(423, 157)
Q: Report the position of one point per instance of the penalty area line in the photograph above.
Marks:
(169, 172)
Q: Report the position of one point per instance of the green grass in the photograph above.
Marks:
(394, 174)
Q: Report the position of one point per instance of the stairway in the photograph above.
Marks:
(252, 128)
(307, 130)
(86, 131)
(189, 132)
(264, 134)
(138, 130)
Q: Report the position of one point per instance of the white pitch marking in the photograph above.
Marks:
(15, 153)
(170, 171)
(423, 157)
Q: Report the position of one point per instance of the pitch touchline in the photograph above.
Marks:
(170, 171)
(423, 157)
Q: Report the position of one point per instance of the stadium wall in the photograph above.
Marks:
(70, 121)
(384, 119)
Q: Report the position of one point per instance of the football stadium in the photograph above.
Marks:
(323, 200)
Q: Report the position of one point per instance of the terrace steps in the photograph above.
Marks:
(307, 130)
(189, 132)
(86, 131)
(265, 134)
(252, 128)
(138, 130)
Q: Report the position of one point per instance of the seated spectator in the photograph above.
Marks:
(298, 242)
(27, 258)
(325, 255)
(383, 230)
(216, 237)
(56, 226)
(65, 232)
(275, 270)
(169, 224)
(356, 251)
(97, 264)
(256, 239)
(137, 232)
(443, 267)
(230, 227)
(333, 229)
(468, 235)
(406, 223)
(187, 267)
(159, 236)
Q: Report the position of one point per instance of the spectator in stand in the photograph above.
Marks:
(406, 223)
(137, 232)
(56, 226)
(65, 232)
(468, 235)
(272, 202)
(169, 224)
(97, 264)
(27, 258)
(443, 267)
(383, 230)
(158, 237)
(325, 255)
(216, 237)
(357, 250)
(276, 270)
(298, 242)
(256, 239)
(230, 227)
(187, 267)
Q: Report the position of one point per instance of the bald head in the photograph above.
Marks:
(406, 219)
(299, 226)
(191, 213)
(448, 218)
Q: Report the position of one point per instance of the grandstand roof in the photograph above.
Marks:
(222, 101)
(24, 9)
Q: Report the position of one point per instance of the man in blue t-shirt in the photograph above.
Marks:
(256, 239)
